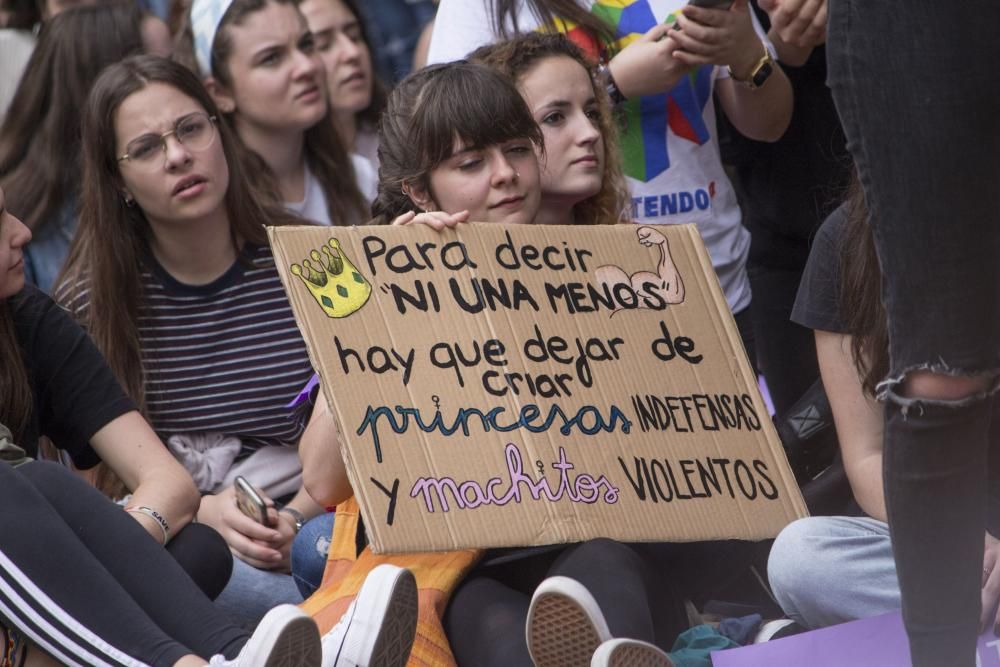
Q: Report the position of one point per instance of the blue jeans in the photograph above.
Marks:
(916, 90)
(309, 551)
(827, 570)
(251, 593)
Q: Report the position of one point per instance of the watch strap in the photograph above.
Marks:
(608, 80)
(760, 73)
(297, 516)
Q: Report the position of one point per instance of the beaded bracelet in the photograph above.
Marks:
(155, 516)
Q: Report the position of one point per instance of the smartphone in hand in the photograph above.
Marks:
(250, 502)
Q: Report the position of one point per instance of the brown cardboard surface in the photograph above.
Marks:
(522, 406)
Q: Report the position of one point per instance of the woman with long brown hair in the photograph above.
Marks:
(582, 181)
(459, 143)
(40, 137)
(357, 96)
(172, 276)
(258, 60)
(667, 86)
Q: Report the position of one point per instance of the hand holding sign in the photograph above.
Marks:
(522, 385)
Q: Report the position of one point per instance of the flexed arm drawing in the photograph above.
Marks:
(666, 282)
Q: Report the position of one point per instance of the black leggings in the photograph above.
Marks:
(204, 555)
(486, 618)
(82, 579)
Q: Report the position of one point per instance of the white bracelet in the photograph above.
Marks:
(155, 516)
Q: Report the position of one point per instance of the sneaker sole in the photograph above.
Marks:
(395, 603)
(399, 627)
(561, 632)
(296, 643)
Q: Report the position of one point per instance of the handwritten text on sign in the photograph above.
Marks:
(500, 386)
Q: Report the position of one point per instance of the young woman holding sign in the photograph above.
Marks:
(459, 143)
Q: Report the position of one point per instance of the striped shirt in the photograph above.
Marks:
(226, 357)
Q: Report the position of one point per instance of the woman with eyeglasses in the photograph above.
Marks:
(172, 276)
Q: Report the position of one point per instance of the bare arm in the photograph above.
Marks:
(324, 475)
(134, 452)
(763, 113)
(858, 418)
(727, 38)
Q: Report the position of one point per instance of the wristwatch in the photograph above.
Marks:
(297, 517)
(760, 73)
(608, 81)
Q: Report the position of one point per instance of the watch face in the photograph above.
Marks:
(762, 74)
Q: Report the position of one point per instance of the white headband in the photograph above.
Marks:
(205, 18)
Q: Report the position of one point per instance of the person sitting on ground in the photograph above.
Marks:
(581, 181)
(172, 276)
(829, 570)
(75, 570)
(458, 143)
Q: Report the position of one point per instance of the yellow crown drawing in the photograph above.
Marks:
(334, 282)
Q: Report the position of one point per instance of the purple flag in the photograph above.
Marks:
(870, 642)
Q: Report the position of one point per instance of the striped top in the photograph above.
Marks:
(226, 357)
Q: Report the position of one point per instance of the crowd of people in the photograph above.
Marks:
(151, 368)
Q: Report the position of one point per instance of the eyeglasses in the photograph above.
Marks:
(196, 131)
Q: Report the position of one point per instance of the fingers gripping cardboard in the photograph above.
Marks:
(523, 385)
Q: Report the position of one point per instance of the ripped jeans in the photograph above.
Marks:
(309, 552)
(915, 84)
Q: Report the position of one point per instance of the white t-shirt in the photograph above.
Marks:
(669, 148)
(313, 205)
(366, 176)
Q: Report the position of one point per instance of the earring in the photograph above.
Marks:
(517, 175)
(128, 200)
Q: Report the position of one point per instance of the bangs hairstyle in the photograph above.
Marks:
(325, 154)
(432, 108)
(514, 58)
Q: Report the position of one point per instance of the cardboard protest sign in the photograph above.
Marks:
(519, 385)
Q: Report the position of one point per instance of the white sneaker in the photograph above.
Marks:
(565, 625)
(379, 627)
(629, 653)
(285, 637)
